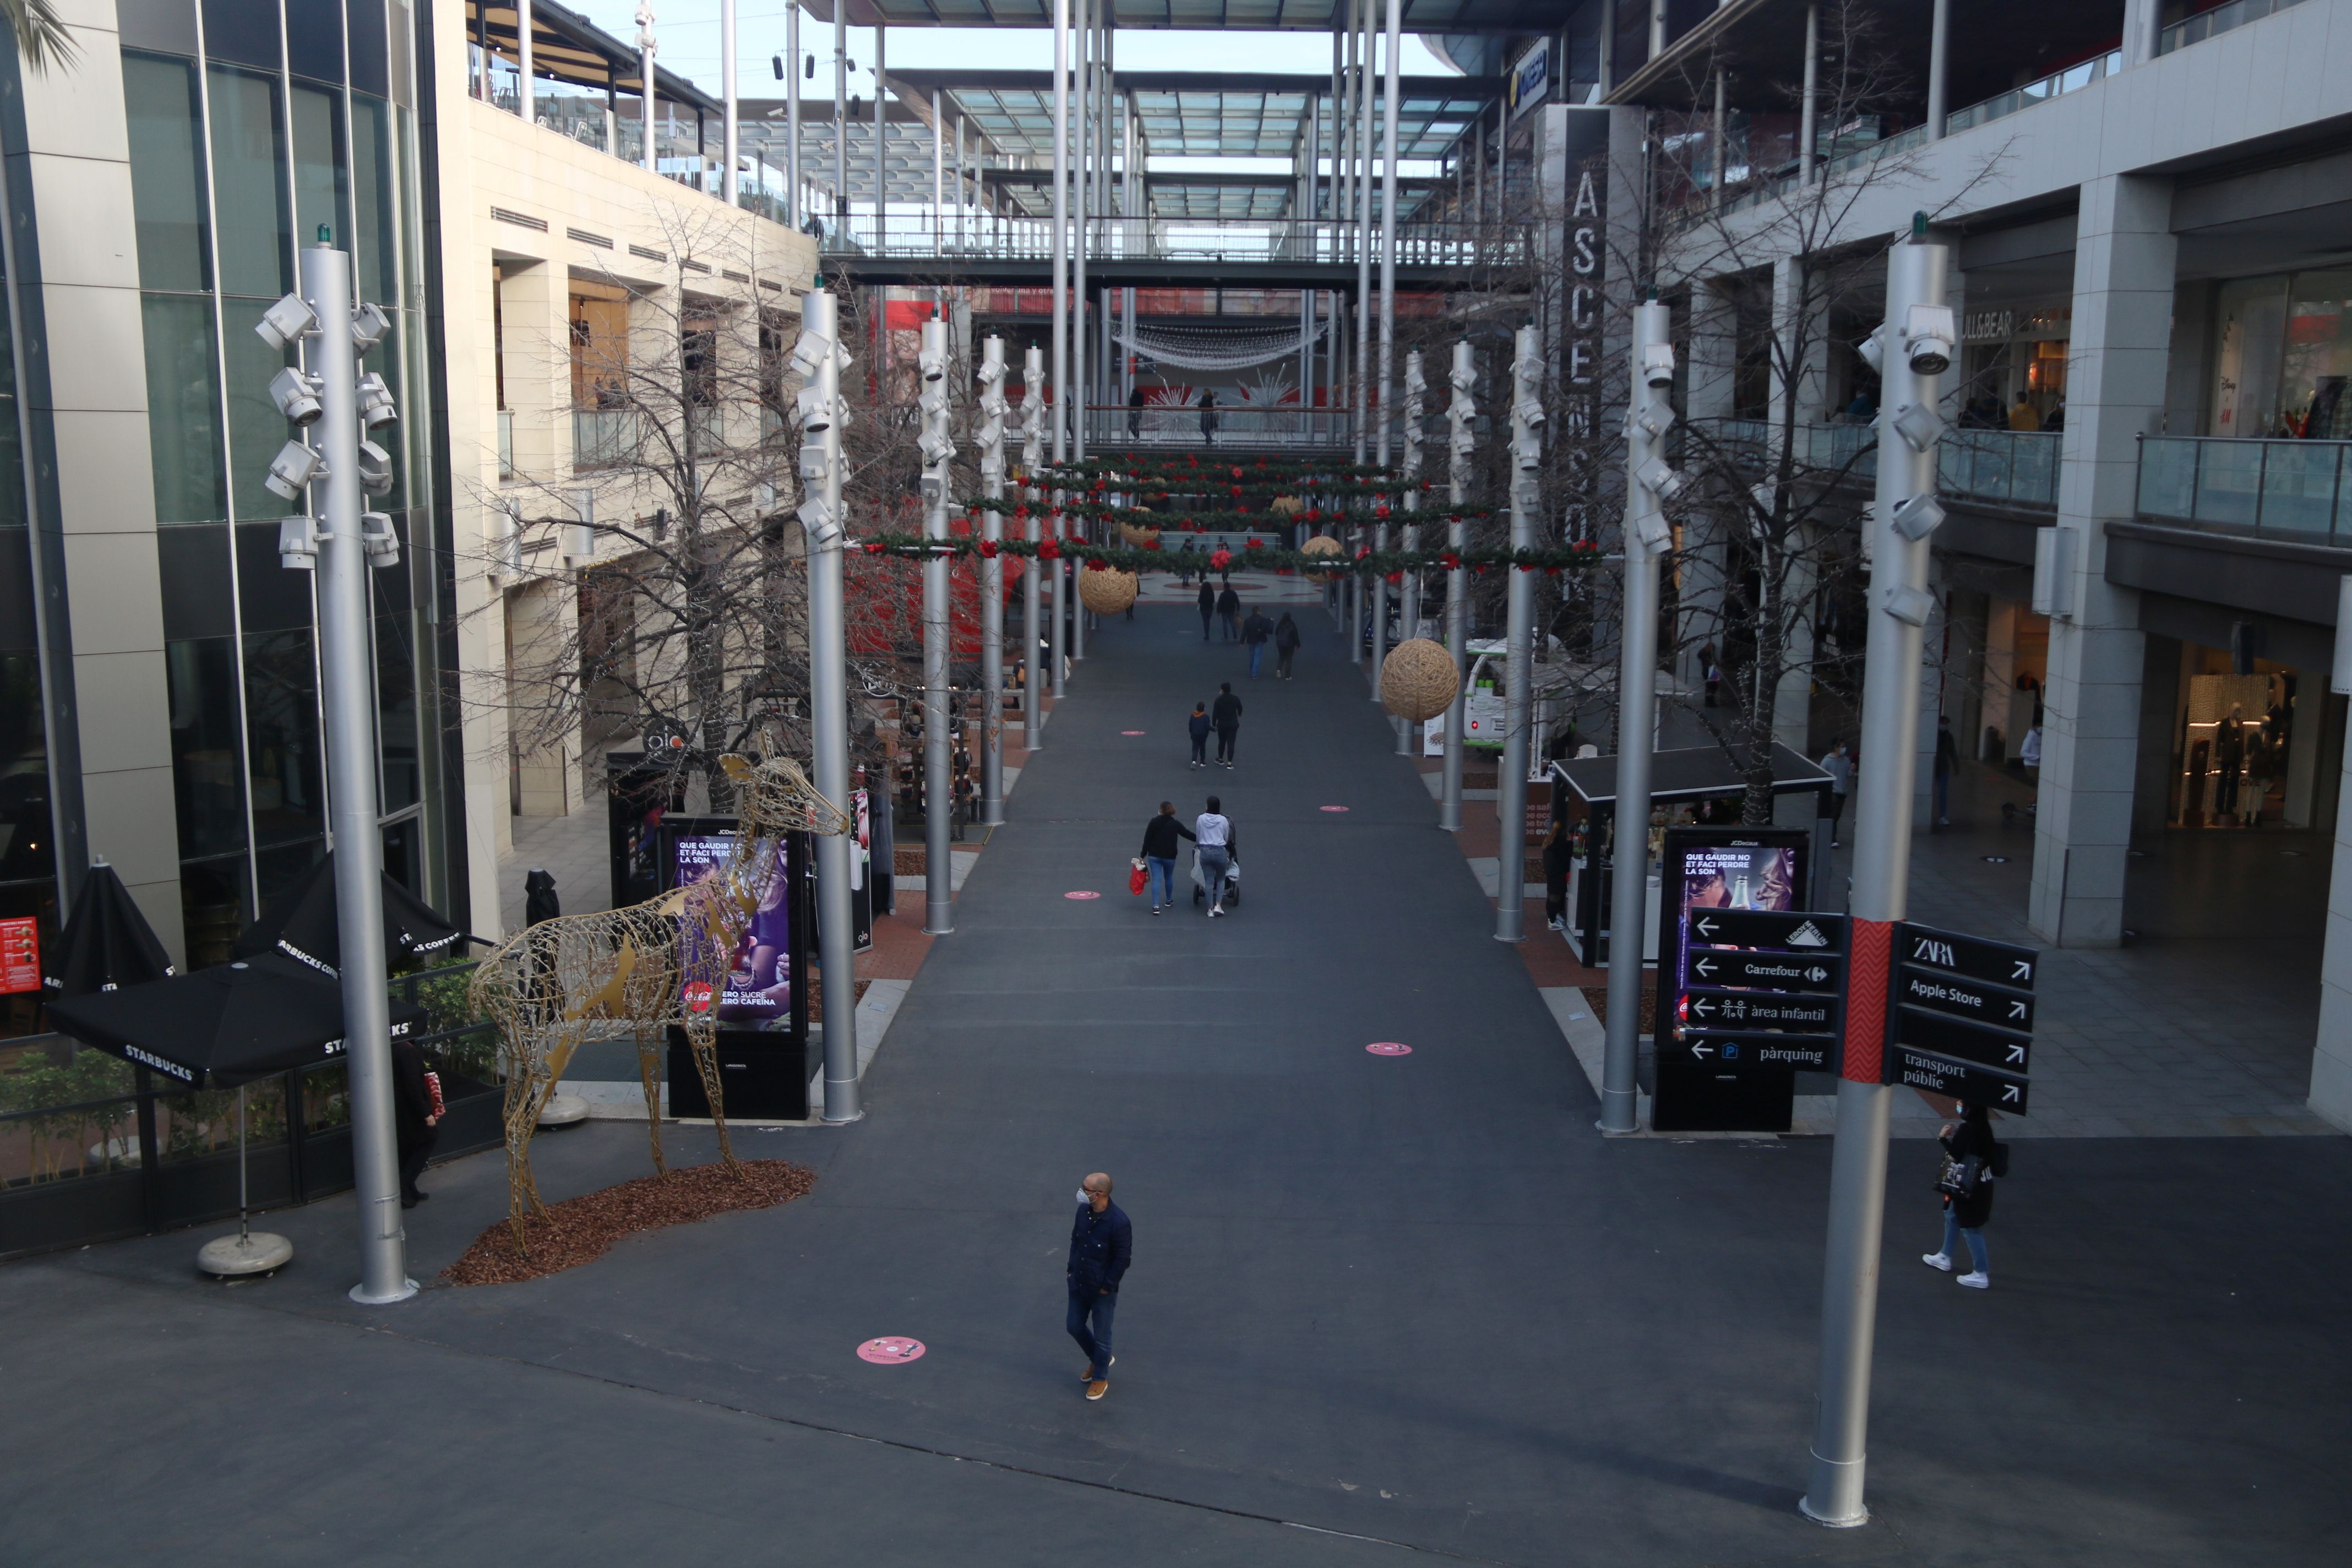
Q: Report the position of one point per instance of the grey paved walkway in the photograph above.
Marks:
(1412, 1301)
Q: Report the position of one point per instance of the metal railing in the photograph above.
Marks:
(2009, 467)
(1160, 427)
(2219, 19)
(603, 437)
(1231, 240)
(2057, 84)
(2285, 490)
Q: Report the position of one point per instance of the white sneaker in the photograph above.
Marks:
(1937, 1260)
(1977, 1281)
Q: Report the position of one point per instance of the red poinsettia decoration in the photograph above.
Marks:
(1450, 561)
(1396, 576)
(1381, 510)
(874, 547)
(1049, 550)
(1221, 559)
(1255, 545)
(1362, 550)
(1097, 565)
(988, 548)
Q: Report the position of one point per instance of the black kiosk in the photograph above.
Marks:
(762, 1006)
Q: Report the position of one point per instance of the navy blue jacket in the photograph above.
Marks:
(1100, 1247)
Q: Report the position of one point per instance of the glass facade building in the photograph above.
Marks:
(253, 127)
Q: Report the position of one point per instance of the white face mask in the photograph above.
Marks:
(1084, 1197)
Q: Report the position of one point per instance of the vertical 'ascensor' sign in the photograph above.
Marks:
(1584, 316)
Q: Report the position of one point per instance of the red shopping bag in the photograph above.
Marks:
(1136, 878)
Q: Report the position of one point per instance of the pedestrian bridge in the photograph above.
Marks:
(1277, 252)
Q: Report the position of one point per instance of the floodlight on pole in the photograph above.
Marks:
(1461, 441)
(939, 799)
(1518, 704)
(989, 436)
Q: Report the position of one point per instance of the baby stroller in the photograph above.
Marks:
(1233, 881)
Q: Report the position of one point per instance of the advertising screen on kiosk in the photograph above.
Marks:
(759, 976)
(1719, 868)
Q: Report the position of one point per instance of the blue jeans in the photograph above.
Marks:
(1257, 657)
(1943, 794)
(1162, 880)
(1090, 1304)
(1213, 865)
(1974, 1239)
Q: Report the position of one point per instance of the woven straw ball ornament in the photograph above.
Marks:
(1107, 593)
(1418, 680)
(1321, 544)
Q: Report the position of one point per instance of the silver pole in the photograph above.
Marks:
(727, 190)
(1409, 623)
(938, 801)
(645, 82)
(1032, 444)
(1527, 413)
(829, 705)
(1459, 413)
(841, 115)
(527, 104)
(1637, 727)
(881, 179)
(1059, 247)
(1378, 585)
(1360, 152)
(939, 170)
(1081, 205)
(1807, 111)
(1387, 398)
(793, 199)
(1899, 605)
(1939, 34)
(991, 580)
(347, 692)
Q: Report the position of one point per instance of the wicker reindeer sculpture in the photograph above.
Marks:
(630, 973)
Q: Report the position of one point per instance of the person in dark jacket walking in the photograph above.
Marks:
(1256, 632)
(415, 1120)
(1558, 850)
(1208, 416)
(1102, 1243)
(1976, 1156)
(1285, 646)
(1200, 728)
(1227, 718)
(1135, 412)
(1208, 605)
(1229, 611)
(1159, 851)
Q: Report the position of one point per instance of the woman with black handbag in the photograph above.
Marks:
(1973, 1159)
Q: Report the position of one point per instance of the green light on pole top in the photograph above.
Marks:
(326, 235)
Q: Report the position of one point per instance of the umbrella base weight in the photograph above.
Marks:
(563, 1110)
(243, 1256)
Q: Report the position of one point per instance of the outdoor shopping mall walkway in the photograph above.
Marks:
(1382, 1308)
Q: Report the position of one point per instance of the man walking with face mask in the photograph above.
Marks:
(1101, 1242)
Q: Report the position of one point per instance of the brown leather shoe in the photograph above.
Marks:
(1098, 1388)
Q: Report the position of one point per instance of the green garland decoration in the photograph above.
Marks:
(1369, 564)
(1220, 521)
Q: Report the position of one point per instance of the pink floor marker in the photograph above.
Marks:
(1131, 732)
(1335, 808)
(891, 1351)
(1082, 895)
(1389, 1049)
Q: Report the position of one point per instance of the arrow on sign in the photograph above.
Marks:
(1704, 966)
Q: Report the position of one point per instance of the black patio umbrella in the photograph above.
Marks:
(222, 1026)
(302, 924)
(219, 1027)
(107, 943)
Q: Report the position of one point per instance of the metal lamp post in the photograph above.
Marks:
(1032, 452)
(990, 436)
(1519, 705)
(820, 359)
(332, 400)
(1914, 348)
(939, 802)
(1409, 626)
(1460, 441)
(1649, 481)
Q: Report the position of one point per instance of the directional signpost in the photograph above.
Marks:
(1962, 1016)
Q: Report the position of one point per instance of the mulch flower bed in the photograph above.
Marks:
(582, 1229)
(907, 862)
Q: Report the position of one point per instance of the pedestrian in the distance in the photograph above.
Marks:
(1229, 612)
(1102, 1243)
(1227, 718)
(1208, 416)
(1839, 765)
(1256, 632)
(1947, 757)
(415, 1116)
(1557, 850)
(1135, 412)
(1285, 646)
(1159, 852)
(1212, 831)
(1714, 681)
(1974, 1158)
(1208, 605)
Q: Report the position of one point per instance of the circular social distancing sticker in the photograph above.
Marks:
(891, 1351)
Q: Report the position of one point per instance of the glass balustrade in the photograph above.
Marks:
(2290, 491)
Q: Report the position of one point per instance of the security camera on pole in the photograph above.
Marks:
(1519, 705)
(1651, 482)
(1033, 453)
(331, 400)
(1460, 442)
(1408, 733)
(938, 798)
(819, 359)
(989, 435)
(1912, 350)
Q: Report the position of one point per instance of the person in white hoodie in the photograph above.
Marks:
(1214, 832)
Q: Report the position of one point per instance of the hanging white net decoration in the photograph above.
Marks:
(1196, 349)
